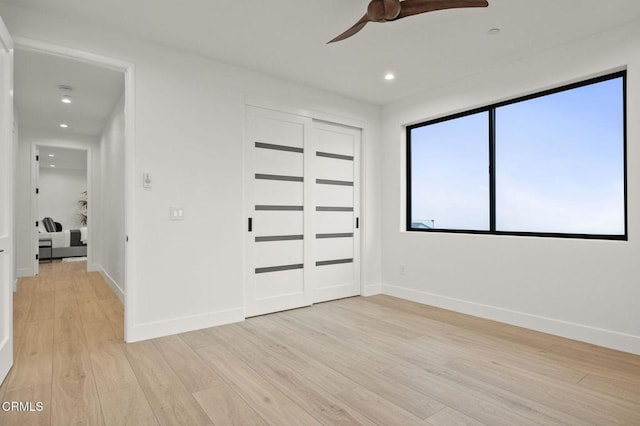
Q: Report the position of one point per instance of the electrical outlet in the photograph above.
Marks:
(401, 269)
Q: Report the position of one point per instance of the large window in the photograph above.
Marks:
(550, 164)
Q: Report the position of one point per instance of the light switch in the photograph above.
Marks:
(146, 180)
(176, 213)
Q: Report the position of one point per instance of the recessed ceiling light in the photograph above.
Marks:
(389, 76)
(52, 165)
(493, 31)
(66, 93)
(51, 155)
(64, 126)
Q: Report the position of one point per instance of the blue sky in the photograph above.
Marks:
(450, 170)
(559, 164)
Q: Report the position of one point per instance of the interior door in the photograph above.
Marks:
(6, 202)
(35, 193)
(277, 251)
(336, 206)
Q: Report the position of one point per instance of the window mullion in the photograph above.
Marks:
(492, 169)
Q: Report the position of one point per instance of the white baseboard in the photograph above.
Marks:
(151, 330)
(111, 282)
(24, 272)
(597, 336)
(372, 289)
(15, 285)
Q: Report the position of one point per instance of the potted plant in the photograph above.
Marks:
(82, 202)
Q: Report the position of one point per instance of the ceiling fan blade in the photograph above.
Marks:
(416, 7)
(351, 31)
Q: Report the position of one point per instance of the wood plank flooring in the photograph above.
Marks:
(375, 360)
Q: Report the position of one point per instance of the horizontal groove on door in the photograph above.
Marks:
(264, 145)
(279, 268)
(334, 182)
(333, 262)
(279, 238)
(279, 208)
(336, 156)
(333, 209)
(336, 235)
(280, 177)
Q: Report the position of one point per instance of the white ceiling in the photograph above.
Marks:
(286, 38)
(38, 99)
(63, 158)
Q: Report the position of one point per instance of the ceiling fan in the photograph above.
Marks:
(392, 10)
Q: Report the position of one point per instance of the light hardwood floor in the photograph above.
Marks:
(376, 360)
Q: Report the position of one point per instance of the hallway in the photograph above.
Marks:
(68, 326)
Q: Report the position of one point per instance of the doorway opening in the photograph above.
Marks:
(72, 103)
(61, 203)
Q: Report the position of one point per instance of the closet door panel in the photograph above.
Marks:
(271, 192)
(334, 169)
(333, 248)
(333, 195)
(277, 162)
(280, 129)
(332, 142)
(273, 285)
(275, 253)
(335, 276)
(278, 253)
(278, 223)
(328, 222)
(336, 191)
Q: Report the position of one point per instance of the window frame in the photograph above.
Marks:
(491, 110)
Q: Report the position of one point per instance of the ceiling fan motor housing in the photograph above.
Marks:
(383, 10)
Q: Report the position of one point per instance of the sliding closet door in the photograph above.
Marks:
(277, 250)
(303, 241)
(336, 249)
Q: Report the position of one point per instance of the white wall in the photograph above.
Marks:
(60, 191)
(586, 290)
(26, 248)
(110, 238)
(16, 141)
(189, 136)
